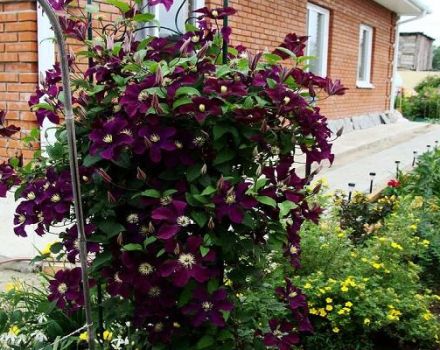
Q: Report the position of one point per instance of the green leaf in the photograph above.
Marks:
(188, 91)
(149, 241)
(56, 247)
(286, 207)
(102, 259)
(181, 101)
(225, 155)
(272, 83)
(204, 251)
(267, 200)
(193, 172)
(208, 191)
(205, 342)
(90, 160)
(144, 17)
(121, 5)
(271, 58)
(286, 51)
(222, 71)
(212, 285)
(169, 192)
(200, 218)
(132, 247)
(111, 228)
(150, 193)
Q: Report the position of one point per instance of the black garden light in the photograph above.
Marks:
(351, 187)
(397, 168)
(372, 176)
(415, 153)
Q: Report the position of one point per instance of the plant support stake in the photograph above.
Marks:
(74, 166)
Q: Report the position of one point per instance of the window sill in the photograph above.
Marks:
(364, 85)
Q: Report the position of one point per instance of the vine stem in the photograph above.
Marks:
(74, 166)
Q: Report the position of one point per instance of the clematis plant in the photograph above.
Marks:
(189, 180)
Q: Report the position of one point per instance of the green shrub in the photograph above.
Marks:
(362, 295)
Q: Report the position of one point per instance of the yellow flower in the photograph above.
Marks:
(107, 335)
(377, 266)
(417, 202)
(228, 282)
(393, 314)
(313, 311)
(329, 300)
(426, 243)
(396, 246)
(367, 321)
(84, 336)
(336, 330)
(12, 286)
(46, 249)
(308, 286)
(15, 330)
(348, 304)
(344, 289)
(322, 312)
(329, 307)
(413, 227)
(427, 315)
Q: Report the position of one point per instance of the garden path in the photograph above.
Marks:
(359, 153)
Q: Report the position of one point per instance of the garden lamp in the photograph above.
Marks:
(74, 166)
(414, 158)
(397, 168)
(372, 175)
(351, 187)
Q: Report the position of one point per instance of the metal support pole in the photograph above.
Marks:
(74, 166)
(225, 24)
(397, 168)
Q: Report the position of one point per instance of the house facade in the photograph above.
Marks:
(415, 51)
(352, 40)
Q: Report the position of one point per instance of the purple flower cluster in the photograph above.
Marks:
(8, 178)
(7, 130)
(44, 201)
(194, 158)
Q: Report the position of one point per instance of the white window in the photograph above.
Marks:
(318, 22)
(365, 57)
(173, 21)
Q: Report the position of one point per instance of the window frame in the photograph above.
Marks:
(325, 43)
(196, 4)
(366, 81)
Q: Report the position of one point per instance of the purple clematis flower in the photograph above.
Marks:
(137, 100)
(71, 242)
(250, 116)
(231, 202)
(202, 107)
(115, 284)
(282, 335)
(8, 178)
(166, 3)
(294, 43)
(171, 219)
(292, 296)
(217, 13)
(188, 264)
(207, 307)
(139, 271)
(7, 131)
(156, 139)
(110, 138)
(224, 88)
(65, 289)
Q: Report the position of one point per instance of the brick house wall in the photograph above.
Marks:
(18, 68)
(261, 24)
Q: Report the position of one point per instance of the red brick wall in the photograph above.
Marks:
(18, 68)
(261, 24)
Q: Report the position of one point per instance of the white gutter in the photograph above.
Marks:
(396, 54)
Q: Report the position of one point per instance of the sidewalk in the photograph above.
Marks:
(376, 150)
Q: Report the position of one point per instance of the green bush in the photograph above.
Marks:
(426, 104)
(363, 295)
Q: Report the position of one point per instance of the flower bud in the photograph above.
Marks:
(204, 169)
(106, 177)
(110, 197)
(220, 183)
(120, 239)
(259, 170)
(140, 174)
(211, 223)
